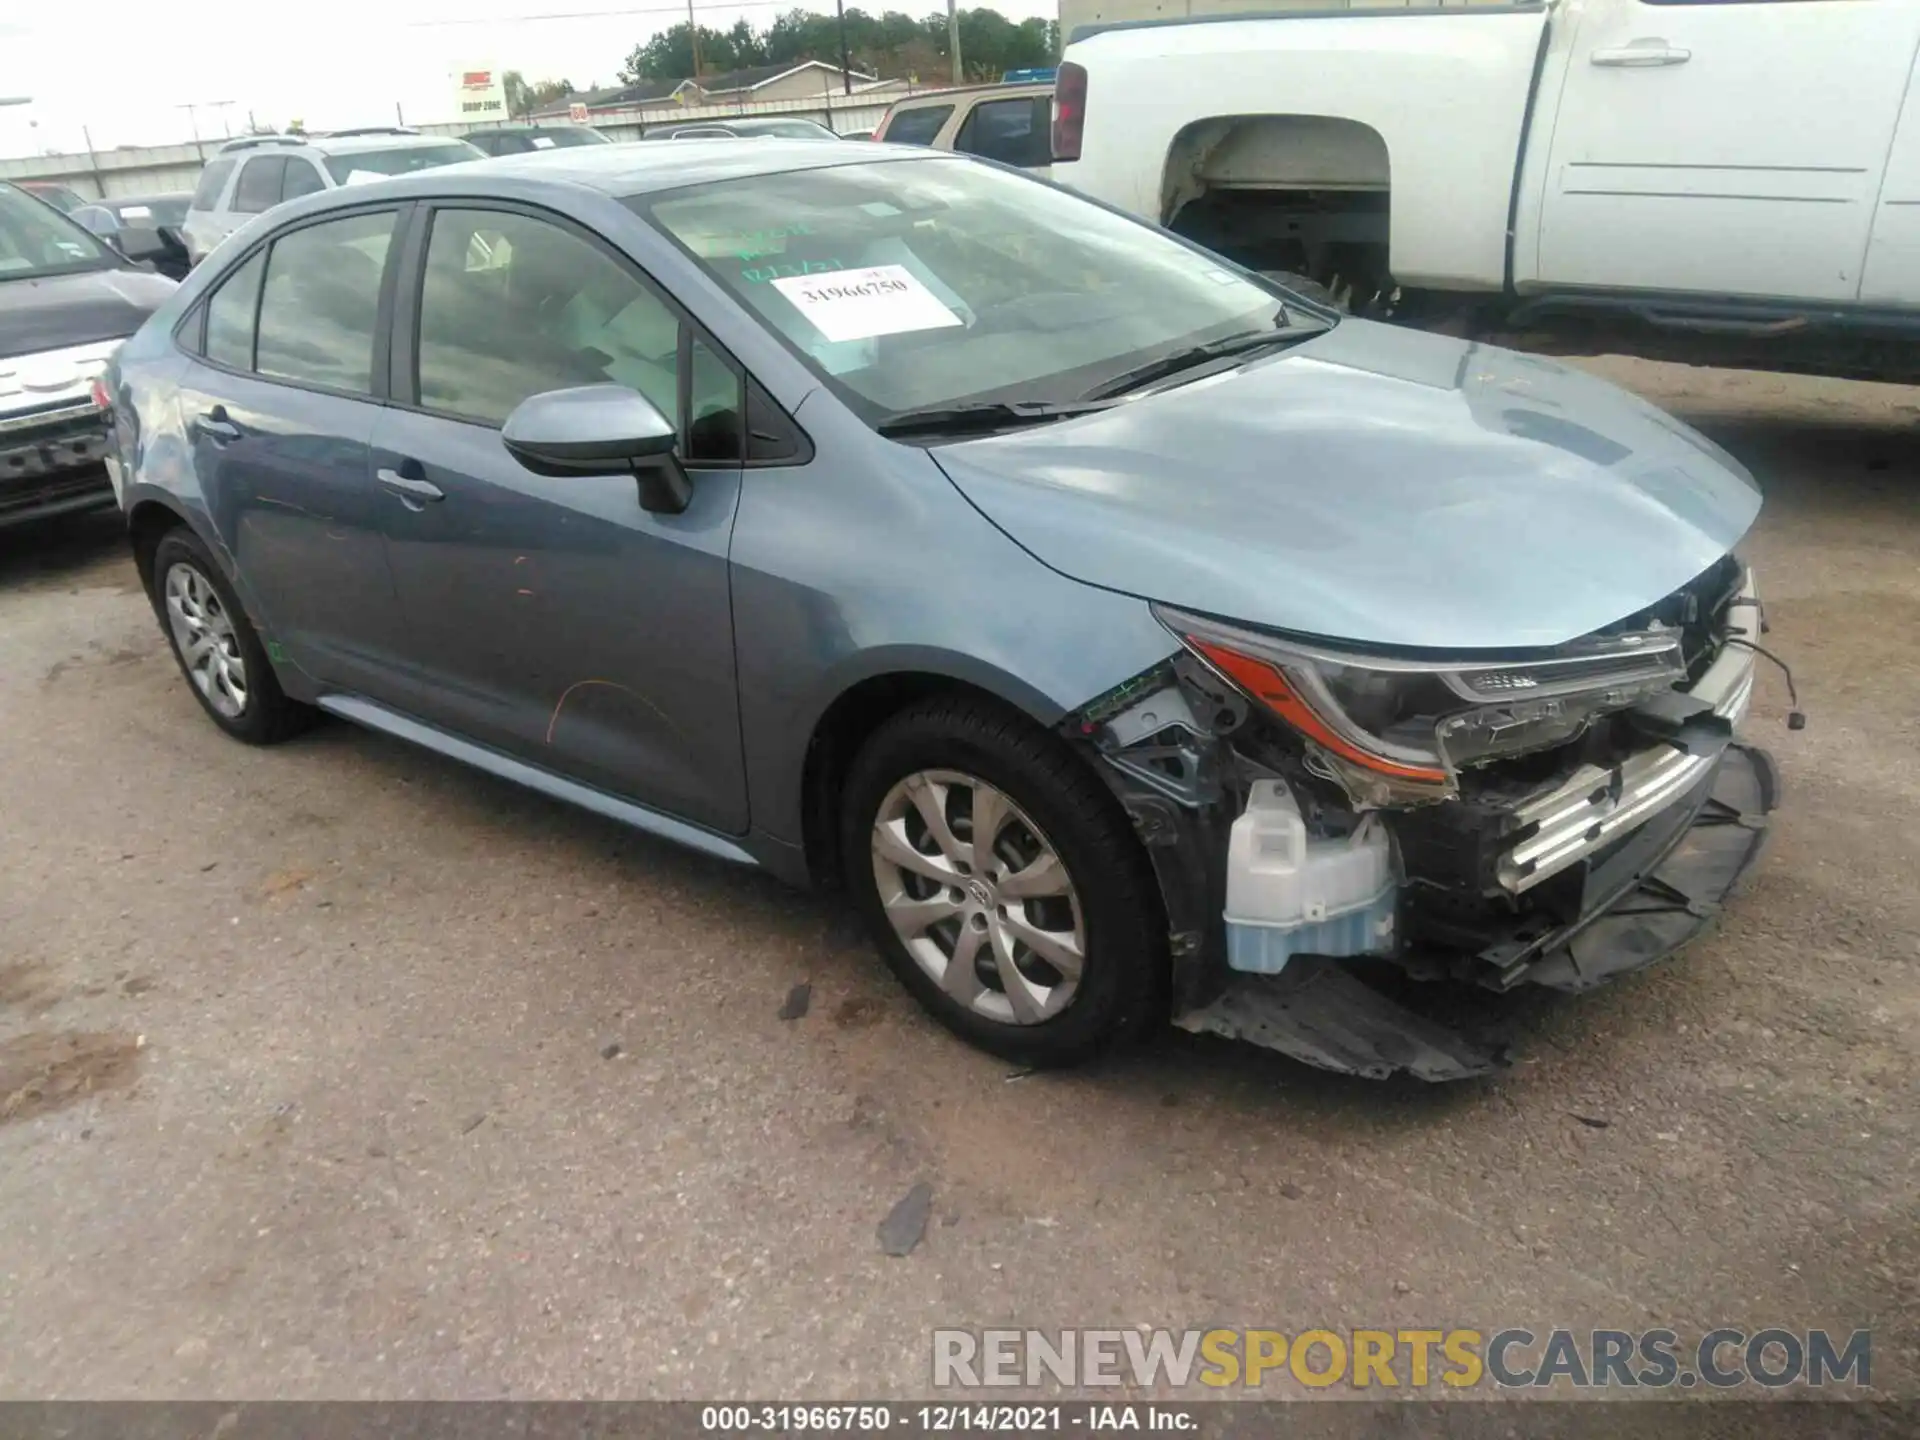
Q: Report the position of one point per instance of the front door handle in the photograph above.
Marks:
(1641, 54)
(215, 425)
(414, 492)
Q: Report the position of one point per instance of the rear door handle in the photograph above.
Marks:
(1641, 54)
(215, 425)
(414, 492)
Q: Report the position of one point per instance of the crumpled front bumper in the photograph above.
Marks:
(1662, 887)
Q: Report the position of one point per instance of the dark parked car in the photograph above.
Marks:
(66, 302)
(63, 198)
(1131, 637)
(787, 127)
(110, 218)
(524, 139)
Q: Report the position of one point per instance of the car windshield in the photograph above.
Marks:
(911, 284)
(359, 165)
(38, 240)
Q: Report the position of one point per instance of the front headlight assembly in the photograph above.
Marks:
(1397, 731)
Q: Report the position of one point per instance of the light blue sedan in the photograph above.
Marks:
(1132, 639)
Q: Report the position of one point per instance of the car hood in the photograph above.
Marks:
(1375, 485)
(61, 311)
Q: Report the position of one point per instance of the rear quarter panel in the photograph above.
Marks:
(1446, 90)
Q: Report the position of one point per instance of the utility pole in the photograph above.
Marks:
(693, 38)
(93, 163)
(846, 65)
(953, 43)
(193, 108)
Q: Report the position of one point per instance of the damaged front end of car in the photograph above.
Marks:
(1319, 816)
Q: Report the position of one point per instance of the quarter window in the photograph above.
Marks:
(213, 180)
(303, 178)
(321, 302)
(260, 181)
(512, 306)
(230, 313)
(1014, 132)
(917, 126)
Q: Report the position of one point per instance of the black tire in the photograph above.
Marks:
(267, 715)
(1122, 993)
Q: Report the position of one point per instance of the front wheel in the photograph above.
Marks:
(1003, 884)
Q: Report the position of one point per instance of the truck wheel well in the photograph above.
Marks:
(837, 738)
(1307, 194)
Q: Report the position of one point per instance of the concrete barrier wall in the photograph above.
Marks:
(165, 169)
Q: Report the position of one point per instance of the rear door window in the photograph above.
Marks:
(213, 180)
(917, 126)
(260, 182)
(320, 303)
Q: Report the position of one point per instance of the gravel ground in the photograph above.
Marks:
(330, 1103)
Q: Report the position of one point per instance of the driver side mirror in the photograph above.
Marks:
(601, 430)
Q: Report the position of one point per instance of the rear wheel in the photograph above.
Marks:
(1003, 884)
(215, 644)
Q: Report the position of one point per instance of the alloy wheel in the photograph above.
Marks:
(203, 633)
(979, 896)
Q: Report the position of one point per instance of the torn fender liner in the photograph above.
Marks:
(1320, 1012)
(1680, 897)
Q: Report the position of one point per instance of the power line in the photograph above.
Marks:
(598, 14)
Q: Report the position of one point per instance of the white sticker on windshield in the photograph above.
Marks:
(135, 212)
(361, 177)
(859, 304)
(543, 142)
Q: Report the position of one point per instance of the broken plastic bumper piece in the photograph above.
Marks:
(1659, 889)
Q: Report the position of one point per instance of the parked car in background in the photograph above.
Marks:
(63, 198)
(1719, 184)
(108, 219)
(152, 212)
(66, 302)
(1129, 636)
(1011, 123)
(784, 127)
(251, 176)
(522, 139)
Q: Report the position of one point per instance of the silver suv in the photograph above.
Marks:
(255, 174)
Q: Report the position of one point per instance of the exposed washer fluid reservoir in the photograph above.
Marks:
(1290, 893)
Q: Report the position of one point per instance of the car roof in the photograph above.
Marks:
(534, 129)
(390, 140)
(120, 202)
(761, 123)
(622, 171)
(1009, 89)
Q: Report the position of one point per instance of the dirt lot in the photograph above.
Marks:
(308, 1083)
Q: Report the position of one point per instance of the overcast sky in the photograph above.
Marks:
(123, 68)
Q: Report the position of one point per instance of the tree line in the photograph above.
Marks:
(891, 45)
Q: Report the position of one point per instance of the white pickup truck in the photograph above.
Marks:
(1720, 181)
